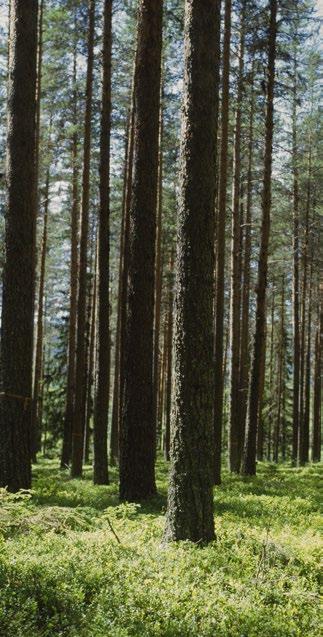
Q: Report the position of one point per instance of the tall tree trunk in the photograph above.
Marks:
(114, 435)
(220, 254)
(158, 269)
(74, 265)
(244, 338)
(19, 267)
(302, 382)
(80, 370)
(296, 332)
(169, 372)
(235, 445)
(307, 388)
(35, 420)
(190, 501)
(138, 435)
(102, 397)
(249, 456)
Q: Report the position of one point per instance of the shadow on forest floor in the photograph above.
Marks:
(275, 492)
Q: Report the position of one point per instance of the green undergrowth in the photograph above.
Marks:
(74, 562)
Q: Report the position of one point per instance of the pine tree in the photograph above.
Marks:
(190, 502)
(19, 269)
(137, 436)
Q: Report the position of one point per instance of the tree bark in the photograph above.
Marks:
(80, 369)
(114, 435)
(281, 370)
(235, 445)
(249, 456)
(244, 339)
(190, 502)
(138, 435)
(103, 379)
(17, 324)
(220, 255)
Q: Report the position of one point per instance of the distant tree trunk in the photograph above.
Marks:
(17, 324)
(302, 454)
(244, 339)
(36, 422)
(100, 475)
(235, 446)
(80, 369)
(317, 406)
(260, 418)
(249, 457)
(190, 501)
(296, 335)
(74, 265)
(158, 270)
(220, 253)
(163, 379)
(169, 376)
(91, 356)
(138, 435)
(124, 232)
(307, 389)
(281, 366)
(271, 409)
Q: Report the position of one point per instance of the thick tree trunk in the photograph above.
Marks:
(220, 253)
(80, 370)
(17, 325)
(190, 502)
(102, 396)
(235, 444)
(249, 456)
(138, 435)
(74, 265)
(35, 421)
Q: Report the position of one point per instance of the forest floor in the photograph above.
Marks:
(63, 572)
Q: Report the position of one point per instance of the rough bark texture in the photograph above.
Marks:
(249, 456)
(220, 253)
(190, 502)
(74, 265)
(80, 371)
(137, 436)
(19, 270)
(102, 395)
(235, 443)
